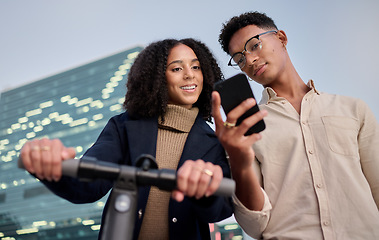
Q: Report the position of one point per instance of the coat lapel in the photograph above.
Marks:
(142, 137)
(200, 140)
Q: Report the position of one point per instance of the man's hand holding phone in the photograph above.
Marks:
(237, 140)
(234, 91)
(238, 145)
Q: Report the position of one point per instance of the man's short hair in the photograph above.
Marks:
(229, 28)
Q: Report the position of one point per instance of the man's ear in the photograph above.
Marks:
(282, 37)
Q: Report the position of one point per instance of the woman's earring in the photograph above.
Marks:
(284, 45)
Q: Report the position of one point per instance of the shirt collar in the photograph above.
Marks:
(270, 94)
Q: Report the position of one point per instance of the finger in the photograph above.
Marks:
(26, 158)
(177, 196)
(35, 156)
(68, 153)
(238, 111)
(56, 159)
(251, 121)
(203, 184)
(216, 180)
(65, 154)
(182, 176)
(46, 158)
(194, 178)
(205, 179)
(216, 110)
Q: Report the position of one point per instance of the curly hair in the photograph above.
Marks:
(147, 93)
(229, 28)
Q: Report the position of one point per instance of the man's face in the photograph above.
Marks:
(265, 66)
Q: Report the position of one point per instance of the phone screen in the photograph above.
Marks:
(233, 91)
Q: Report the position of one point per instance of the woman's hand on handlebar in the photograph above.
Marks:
(43, 158)
(197, 179)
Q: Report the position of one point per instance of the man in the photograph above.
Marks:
(314, 173)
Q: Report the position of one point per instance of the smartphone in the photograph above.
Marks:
(235, 90)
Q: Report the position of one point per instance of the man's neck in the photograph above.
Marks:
(292, 88)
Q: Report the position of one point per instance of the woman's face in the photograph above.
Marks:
(184, 76)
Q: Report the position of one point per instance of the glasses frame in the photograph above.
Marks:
(244, 49)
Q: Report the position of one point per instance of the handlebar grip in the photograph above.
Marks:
(226, 188)
(70, 167)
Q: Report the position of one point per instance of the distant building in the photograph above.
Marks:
(73, 106)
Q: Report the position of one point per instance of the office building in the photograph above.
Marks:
(73, 106)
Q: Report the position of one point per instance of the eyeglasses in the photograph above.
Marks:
(252, 46)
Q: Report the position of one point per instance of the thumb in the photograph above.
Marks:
(177, 195)
(216, 109)
(68, 153)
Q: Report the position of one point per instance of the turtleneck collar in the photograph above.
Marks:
(178, 118)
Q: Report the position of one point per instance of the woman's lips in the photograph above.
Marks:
(189, 88)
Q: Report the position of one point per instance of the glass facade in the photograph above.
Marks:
(73, 106)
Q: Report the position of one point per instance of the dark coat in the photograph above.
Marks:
(122, 141)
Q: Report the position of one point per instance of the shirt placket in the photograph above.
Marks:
(315, 166)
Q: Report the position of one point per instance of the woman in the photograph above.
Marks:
(168, 101)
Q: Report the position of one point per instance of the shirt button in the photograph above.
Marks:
(326, 223)
(310, 151)
(319, 185)
(174, 220)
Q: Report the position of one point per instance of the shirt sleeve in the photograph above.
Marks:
(368, 140)
(252, 222)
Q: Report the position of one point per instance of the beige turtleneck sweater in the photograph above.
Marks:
(172, 135)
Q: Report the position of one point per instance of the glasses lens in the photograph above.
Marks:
(253, 46)
(238, 60)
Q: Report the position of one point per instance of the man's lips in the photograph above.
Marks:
(260, 69)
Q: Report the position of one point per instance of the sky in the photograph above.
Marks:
(333, 42)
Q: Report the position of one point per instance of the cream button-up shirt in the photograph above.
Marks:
(319, 170)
